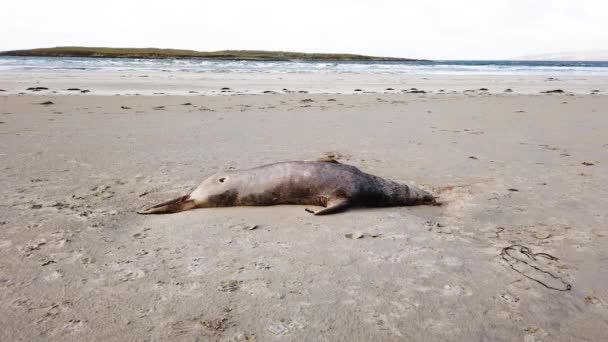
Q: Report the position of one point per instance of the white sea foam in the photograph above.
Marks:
(21, 64)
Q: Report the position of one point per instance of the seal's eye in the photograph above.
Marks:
(222, 179)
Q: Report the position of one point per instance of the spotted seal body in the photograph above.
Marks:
(326, 183)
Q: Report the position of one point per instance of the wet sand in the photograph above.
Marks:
(155, 82)
(518, 251)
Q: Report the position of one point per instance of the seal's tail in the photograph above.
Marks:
(173, 206)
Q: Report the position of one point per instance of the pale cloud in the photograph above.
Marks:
(439, 29)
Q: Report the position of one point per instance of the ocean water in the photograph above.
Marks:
(460, 67)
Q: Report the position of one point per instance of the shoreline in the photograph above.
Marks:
(146, 82)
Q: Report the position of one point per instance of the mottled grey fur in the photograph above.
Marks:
(325, 183)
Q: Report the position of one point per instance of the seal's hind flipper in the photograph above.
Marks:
(173, 206)
(328, 160)
(334, 206)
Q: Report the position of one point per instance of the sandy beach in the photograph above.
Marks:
(174, 82)
(517, 252)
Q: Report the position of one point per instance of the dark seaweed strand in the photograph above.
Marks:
(528, 252)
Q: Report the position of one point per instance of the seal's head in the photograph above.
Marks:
(215, 191)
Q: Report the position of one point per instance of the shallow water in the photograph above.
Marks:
(72, 64)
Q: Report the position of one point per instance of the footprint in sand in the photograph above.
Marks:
(192, 329)
(53, 276)
(230, 285)
(74, 326)
(455, 290)
(509, 298)
(181, 330)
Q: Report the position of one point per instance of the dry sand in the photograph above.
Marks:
(77, 263)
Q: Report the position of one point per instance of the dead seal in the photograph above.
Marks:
(325, 182)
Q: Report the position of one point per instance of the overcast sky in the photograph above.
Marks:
(435, 29)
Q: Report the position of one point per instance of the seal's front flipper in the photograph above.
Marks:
(172, 206)
(334, 206)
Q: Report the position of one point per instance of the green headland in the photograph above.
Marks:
(153, 53)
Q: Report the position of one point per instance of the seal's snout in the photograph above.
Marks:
(173, 206)
(425, 197)
(429, 198)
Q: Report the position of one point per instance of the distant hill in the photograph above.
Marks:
(153, 53)
(591, 55)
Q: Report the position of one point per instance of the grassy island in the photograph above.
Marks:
(153, 53)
